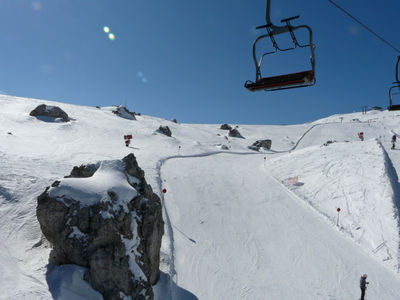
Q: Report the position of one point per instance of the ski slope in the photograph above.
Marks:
(240, 235)
(235, 227)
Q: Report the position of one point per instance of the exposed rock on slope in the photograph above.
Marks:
(266, 144)
(164, 130)
(235, 133)
(225, 127)
(106, 218)
(123, 112)
(47, 111)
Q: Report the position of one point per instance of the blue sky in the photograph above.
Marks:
(189, 59)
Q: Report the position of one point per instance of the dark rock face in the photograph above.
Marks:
(164, 130)
(174, 120)
(55, 112)
(123, 112)
(266, 144)
(235, 133)
(328, 143)
(83, 171)
(115, 232)
(225, 127)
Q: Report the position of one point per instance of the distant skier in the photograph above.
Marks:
(127, 142)
(393, 141)
(363, 285)
(361, 136)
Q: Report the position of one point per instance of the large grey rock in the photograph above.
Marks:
(266, 144)
(105, 217)
(225, 127)
(48, 111)
(164, 130)
(235, 133)
(123, 112)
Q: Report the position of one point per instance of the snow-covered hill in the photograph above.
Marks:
(236, 227)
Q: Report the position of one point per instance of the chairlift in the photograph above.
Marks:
(396, 84)
(286, 81)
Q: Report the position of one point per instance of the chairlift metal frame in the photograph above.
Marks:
(287, 81)
(396, 85)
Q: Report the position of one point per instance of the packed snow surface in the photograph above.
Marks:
(239, 224)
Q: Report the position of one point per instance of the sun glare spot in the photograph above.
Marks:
(111, 36)
(106, 29)
(36, 6)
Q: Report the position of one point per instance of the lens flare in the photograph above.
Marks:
(106, 29)
(111, 36)
(36, 6)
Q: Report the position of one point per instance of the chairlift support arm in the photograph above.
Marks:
(283, 81)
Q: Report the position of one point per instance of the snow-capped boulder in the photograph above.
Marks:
(105, 217)
(123, 112)
(164, 130)
(50, 113)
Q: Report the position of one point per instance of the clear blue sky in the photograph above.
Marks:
(189, 59)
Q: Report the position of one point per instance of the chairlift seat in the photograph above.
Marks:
(299, 79)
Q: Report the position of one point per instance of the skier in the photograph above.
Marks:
(393, 141)
(363, 285)
(361, 136)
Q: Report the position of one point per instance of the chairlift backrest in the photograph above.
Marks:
(286, 81)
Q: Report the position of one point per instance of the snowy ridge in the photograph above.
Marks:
(232, 230)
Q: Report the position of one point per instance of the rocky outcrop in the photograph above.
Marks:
(83, 171)
(174, 120)
(48, 111)
(164, 130)
(105, 217)
(225, 127)
(266, 144)
(123, 112)
(328, 143)
(235, 133)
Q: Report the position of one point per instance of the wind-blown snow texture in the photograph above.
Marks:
(235, 227)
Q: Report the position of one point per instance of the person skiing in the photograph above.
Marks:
(363, 285)
(393, 141)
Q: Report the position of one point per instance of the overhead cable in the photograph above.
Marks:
(365, 26)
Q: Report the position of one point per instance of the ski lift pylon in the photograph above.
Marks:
(396, 84)
(286, 81)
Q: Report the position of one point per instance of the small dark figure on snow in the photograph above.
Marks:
(363, 285)
(127, 142)
(393, 141)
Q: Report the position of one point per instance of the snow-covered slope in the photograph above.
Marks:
(235, 227)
